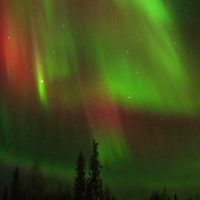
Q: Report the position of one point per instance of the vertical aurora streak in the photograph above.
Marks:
(41, 82)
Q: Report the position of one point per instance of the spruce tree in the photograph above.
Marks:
(16, 186)
(94, 187)
(80, 182)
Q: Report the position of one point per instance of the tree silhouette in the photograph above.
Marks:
(94, 187)
(16, 186)
(80, 181)
(32, 185)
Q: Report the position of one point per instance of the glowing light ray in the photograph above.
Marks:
(105, 125)
(16, 57)
(41, 81)
(126, 75)
(58, 54)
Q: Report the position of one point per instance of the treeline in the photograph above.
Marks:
(164, 195)
(84, 188)
(33, 186)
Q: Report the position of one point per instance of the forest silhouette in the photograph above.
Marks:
(84, 187)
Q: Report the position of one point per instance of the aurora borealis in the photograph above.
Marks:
(125, 72)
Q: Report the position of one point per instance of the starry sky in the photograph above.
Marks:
(125, 72)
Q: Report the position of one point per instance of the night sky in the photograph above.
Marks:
(125, 72)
